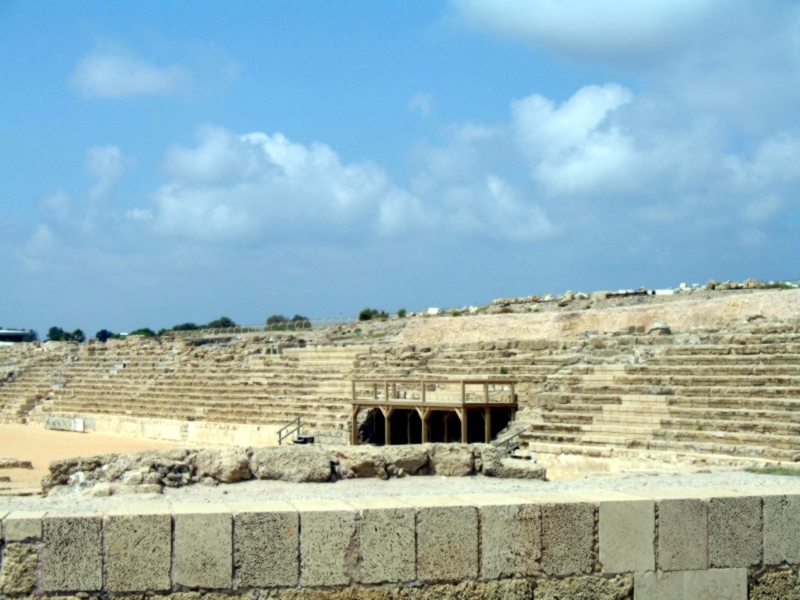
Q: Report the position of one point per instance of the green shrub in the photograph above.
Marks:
(186, 327)
(144, 332)
(104, 335)
(221, 323)
(371, 313)
(401, 313)
(56, 334)
(275, 319)
(503, 371)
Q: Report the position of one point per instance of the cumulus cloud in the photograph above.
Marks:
(115, 75)
(259, 187)
(572, 147)
(108, 165)
(231, 186)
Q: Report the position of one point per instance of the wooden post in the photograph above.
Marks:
(463, 393)
(463, 416)
(354, 421)
(394, 391)
(486, 392)
(487, 422)
(388, 417)
(445, 420)
(385, 391)
(423, 416)
(513, 393)
(375, 391)
(354, 390)
(423, 389)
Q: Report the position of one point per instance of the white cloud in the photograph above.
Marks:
(571, 147)
(108, 165)
(115, 75)
(421, 104)
(231, 186)
(630, 31)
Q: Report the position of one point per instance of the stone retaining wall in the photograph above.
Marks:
(716, 544)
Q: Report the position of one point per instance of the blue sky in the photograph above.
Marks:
(167, 161)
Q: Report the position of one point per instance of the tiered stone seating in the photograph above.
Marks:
(735, 395)
(27, 376)
(236, 383)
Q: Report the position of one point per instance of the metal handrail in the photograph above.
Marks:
(282, 436)
(505, 445)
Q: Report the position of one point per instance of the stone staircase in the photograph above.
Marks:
(735, 395)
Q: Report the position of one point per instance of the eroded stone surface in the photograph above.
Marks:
(292, 463)
(450, 460)
(226, 465)
(18, 575)
(376, 593)
(138, 552)
(585, 588)
(682, 534)
(447, 540)
(507, 589)
(734, 531)
(780, 585)
(568, 538)
(266, 545)
(73, 555)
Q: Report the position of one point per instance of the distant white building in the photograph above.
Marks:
(16, 336)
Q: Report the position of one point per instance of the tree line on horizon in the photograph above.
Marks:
(57, 334)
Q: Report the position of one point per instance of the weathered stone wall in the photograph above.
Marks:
(151, 470)
(714, 544)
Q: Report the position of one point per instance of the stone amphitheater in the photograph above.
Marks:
(724, 382)
(707, 379)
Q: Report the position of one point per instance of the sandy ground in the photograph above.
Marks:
(41, 446)
(682, 316)
(699, 483)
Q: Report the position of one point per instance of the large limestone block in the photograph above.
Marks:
(203, 546)
(682, 534)
(447, 538)
(19, 563)
(23, 526)
(138, 549)
(781, 530)
(450, 460)
(224, 464)
(266, 544)
(328, 542)
(73, 552)
(520, 469)
(292, 463)
(511, 541)
(410, 458)
(627, 535)
(711, 584)
(734, 531)
(568, 538)
(585, 588)
(387, 536)
(362, 461)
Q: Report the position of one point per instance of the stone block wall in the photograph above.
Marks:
(715, 544)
